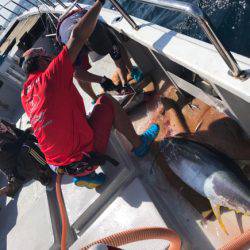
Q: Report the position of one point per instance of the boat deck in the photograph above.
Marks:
(132, 197)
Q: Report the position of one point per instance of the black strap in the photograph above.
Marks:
(96, 159)
(88, 163)
(14, 148)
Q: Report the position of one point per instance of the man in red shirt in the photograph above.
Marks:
(101, 42)
(57, 114)
(82, 65)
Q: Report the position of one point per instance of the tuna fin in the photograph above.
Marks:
(247, 213)
(216, 210)
(206, 214)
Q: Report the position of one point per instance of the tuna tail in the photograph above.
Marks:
(216, 210)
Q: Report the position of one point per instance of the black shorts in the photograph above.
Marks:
(103, 42)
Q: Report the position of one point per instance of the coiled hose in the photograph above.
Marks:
(133, 235)
(238, 242)
(139, 234)
(119, 238)
(62, 212)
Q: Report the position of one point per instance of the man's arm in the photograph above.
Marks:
(83, 30)
(87, 76)
(61, 69)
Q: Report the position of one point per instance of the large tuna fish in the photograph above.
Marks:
(210, 173)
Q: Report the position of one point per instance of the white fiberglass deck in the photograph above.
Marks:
(134, 196)
(30, 221)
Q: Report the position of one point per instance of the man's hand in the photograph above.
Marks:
(108, 85)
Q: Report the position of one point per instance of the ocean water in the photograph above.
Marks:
(230, 18)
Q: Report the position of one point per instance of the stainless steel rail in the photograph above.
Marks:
(187, 8)
(47, 7)
(205, 24)
(125, 14)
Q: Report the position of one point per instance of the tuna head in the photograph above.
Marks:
(223, 188)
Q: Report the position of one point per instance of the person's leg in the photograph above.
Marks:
(103, 42)
(120, 58)
(125, 69)
(126, 59)
(108, 112)
(141, 143)
(123, 124)
(121, 70)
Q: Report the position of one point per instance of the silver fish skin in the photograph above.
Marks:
(210, 173)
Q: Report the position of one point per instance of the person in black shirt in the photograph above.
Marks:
(20, 159)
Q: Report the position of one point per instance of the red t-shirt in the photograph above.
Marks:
(57, 113)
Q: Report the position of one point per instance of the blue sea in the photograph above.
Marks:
(230, 18)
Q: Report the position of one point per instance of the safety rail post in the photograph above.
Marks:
(47, 7)
(206, 26)
(125, 14)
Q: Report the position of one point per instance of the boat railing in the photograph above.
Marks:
(187, 8)
(207, 27)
